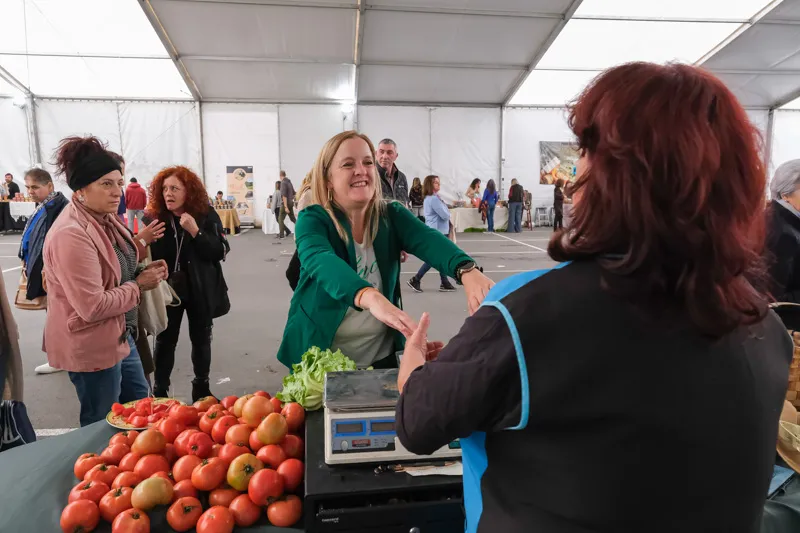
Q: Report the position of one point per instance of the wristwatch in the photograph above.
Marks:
(463, 268)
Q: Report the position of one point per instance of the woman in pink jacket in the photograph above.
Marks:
(94, 284)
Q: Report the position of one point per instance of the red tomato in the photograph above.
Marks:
(183, 467)
(245, 512)
(114, 453)
(86, 462)
(221, 427)
(215, 449)
(217, 407)
(160, 408)
(199, 444)
(262, 393)
(126, 479)
(131, 521)
(148, 442)
(255, 410)
(128, 463)
(286, 512)
(185, 414)
(265, 486)
(182, 440)
(228, 401)
(238, 405)
(80, 517)
(151, 492)
(184, 514)
(295, 415)
(165, 475)
(242, 469)
(229, 452)
(208, 420)
(103, 473)
(170, 454)
(88, 490)
(138, 421)
(292, 471)
(114, 502)
(276, 404)
(293, 446)
(209, 474)
(253, 441)
(124, 437)
(203, 404)
(150, 464)
(216, 520)
(223, 496)
(117, 408)
(271, 455)
(272, 429)
(183, 489)
(238, 434)
(171, 428)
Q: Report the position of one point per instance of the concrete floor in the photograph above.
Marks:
(246, 340)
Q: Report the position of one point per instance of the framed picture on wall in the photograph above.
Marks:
(558, 160)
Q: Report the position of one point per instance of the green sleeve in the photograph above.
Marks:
(426, 243)
(318, 258)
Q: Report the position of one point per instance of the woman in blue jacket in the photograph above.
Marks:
(437, 216)
(490, 197)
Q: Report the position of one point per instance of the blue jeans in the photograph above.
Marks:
(123, 382)
(515, 217)
(490, 216)
(424, 270)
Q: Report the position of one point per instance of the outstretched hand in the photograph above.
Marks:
(418, 351)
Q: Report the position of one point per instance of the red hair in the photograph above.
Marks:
(196, 203)
(671, 203)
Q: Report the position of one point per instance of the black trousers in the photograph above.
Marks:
(166, 342)
(558, 220)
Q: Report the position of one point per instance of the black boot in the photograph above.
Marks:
(164, 359)
(201, 361)
(200, 389)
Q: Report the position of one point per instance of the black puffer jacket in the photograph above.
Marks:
(783, 244)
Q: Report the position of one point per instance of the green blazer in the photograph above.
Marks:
(328, 280)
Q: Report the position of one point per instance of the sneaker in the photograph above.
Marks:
(414, 284)
(46, 369)
(447, 287)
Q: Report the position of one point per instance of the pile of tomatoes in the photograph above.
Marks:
(240, 457)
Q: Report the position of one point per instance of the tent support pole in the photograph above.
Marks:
(502, 152)
(768, 142)
(202, 140)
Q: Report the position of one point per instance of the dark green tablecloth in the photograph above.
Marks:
(35, 481)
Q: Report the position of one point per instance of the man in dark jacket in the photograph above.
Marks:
(393, 182)
(136, 201)
(11, 186)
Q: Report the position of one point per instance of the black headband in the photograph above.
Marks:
(91, 168)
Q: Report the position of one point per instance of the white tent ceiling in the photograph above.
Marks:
(458, 52)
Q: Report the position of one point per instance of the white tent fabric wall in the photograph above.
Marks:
(241, 134)
(785, 138)
(16, 155)
(303, 131)
(524, 130)
(158, 135)
(409, 127)
(465, 144)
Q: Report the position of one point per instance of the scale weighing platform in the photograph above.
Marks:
(360, 423)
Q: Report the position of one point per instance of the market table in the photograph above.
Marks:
(14, 215)
(35, 481)
(230, 220)
(464, 218)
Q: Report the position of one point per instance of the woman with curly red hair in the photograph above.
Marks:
(651, 345)
(192, 246)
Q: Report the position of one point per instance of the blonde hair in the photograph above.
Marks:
(321, 195)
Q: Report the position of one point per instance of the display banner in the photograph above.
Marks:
(240, 188)
(558, 161)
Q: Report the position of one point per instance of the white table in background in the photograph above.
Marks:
(470, 217)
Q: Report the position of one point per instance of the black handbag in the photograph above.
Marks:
(15, 426)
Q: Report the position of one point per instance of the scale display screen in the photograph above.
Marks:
(381, 426)
(349, 428)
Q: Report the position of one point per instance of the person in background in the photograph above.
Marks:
(287, 205)
(136, 201)
(193, 246)
(11, 186)
(275, 202)
(437, 217)
(473, 191)
(94, 284)
(305, 197)
(219, 198)
(656, 265)
(490, 196)
(394, 185)
(349, 240)
(123, 205)
(49, 204)
(516, 196)
(783, 242)
(417, 199)
(558, 205)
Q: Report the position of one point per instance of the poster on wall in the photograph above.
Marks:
(240, 188)
(558, 161)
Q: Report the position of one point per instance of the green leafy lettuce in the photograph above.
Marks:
(306, 384)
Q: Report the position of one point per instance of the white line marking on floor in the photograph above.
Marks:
(53, 432)
(12, 269)
(519, 242)
(10, 243)
(9, 257)
(485, 272)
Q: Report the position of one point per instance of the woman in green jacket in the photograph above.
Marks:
(349, 243)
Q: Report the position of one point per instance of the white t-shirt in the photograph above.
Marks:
(362, 337)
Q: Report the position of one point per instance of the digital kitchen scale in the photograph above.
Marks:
(359, 420)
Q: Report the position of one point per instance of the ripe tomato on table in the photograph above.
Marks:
(128, 463)
(183, 467)
(114, 502)
(124, 437)
(208, 420)
(209, 474)
(292, 471)
(184, 514)
(238, 434)
(223, 496)
(272, 455)
(182, 440)
(229, 452)
(245, 512)
(242, 469)
(295, 415)
(88, 490)
(148, 442)
(114, 453)
(185, 414)
(199, 444)
(103, 473)
(86, 462)
(183, 489)
(221, 427)
(131, 521)
(293, 446)
(171, 428)
(126, 479)
(265, 486)
(79, 517)
(216, 520)
(285, 513)
(228, 401)
(150, 464)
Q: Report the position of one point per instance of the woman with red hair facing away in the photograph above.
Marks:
(636, 386)
(192, 246)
